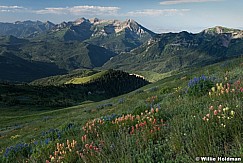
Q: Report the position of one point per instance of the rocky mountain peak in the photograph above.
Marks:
(220, 30)
(94, 20)
(80, 21)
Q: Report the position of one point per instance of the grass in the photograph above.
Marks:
(153, 76)
(175, 132)
(83, 80)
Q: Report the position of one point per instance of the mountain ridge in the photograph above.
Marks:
(173, 51)
(126, 45)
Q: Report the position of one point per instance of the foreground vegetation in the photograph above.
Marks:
(179, 118)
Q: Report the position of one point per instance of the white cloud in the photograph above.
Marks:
(11, 8)
(152, 12)
(173, 2)
(80, 10)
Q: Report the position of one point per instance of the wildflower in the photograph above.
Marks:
(96, 149)
(208, 115)
(238, 82)
(68, 142)
(90, 146)
(241, 89)
(223, 125)
(211, 107)
(81, 155)
(84, 138)
(137, 126)
(52, 158)
(56, 153)
(227, 108)
(157, 109)
(213, 89)
(232, 113)
(228, 85)
(220, 107)
(215, 112)
(222, 92)
(233, 90)
(204, 118)
(152, 110)
(209, 93)
(221, 85)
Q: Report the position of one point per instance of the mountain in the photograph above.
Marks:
(25, 28)
(83, 43)
(113, 44)
(38, 59)
(114, 35)
(67, 55)
(173, 51)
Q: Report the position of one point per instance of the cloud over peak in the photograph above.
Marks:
(11, 8)
(174, 2)
(78, 10)
(153, 12)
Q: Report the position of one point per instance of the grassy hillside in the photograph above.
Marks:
(100, 86)
(82, 80)
(62, 79)
(179, 118)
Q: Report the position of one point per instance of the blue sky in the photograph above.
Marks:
(156, 15)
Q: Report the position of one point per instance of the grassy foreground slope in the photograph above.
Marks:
(175, 119)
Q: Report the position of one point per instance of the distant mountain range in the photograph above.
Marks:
(25, 28)
(32, 50)
(173, 51)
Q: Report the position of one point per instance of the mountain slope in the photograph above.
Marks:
(173, 51)
(70, 56)
(61, 55)
(14, 68)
